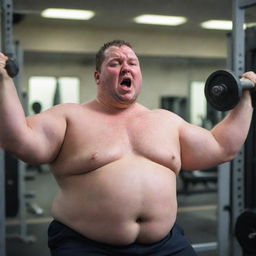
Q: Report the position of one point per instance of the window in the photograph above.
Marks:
(49, 91)
(198, 105)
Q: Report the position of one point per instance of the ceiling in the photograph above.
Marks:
(119, 13)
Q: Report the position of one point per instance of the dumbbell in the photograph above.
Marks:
(245, 231)
(11, 67)
(223, 89)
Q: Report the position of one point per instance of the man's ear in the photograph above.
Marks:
(97, 76)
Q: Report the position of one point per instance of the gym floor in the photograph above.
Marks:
(196, 214)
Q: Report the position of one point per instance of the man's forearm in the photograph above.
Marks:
(11, 114)
(232, 131)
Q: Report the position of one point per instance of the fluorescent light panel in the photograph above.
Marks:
(217, 24)
(160, 20)
(72, 14)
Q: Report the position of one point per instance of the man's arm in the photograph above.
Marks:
(35, 139)
(201, 149)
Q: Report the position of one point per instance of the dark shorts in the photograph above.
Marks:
(63, 241)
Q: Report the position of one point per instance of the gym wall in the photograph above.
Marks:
(170, 61)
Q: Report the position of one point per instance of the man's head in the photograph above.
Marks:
(118, 75)
(100, 56)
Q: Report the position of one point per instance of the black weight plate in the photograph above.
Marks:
(245, 231)
(227, 100)
(11, 67)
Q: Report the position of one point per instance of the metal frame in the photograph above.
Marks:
(2, 204)
(12, 50)
(6, 22)
(231, 175)
(224, 177)
(238, 67)
(6, 46)
(223, 213)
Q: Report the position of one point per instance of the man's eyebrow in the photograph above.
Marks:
(115, 58)
(133, 58)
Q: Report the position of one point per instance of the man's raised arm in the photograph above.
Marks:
(34, 139)
(201, 149)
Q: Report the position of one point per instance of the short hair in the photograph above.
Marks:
(100, 54)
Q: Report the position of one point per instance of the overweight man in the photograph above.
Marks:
(116, 161)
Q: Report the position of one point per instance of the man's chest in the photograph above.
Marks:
(106, 141)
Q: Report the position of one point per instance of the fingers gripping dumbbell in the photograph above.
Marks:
(223, 89)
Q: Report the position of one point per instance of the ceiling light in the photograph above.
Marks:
(217, 24)
(67, 14)
(160, 20)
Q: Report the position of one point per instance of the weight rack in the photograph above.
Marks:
(231, 190)
(12, 49)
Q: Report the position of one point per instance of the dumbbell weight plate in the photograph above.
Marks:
(229, 98)
(245, 231)
(11, 67)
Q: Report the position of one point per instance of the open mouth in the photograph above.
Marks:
(126, 82)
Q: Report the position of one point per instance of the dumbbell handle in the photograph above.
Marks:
(219, 89)
(246, 84)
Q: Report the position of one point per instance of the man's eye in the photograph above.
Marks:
(115, 63)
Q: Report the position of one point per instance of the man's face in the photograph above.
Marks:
(119, 80)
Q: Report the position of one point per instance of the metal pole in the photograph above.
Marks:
(7, 34)
(223, 211)
(238, 61)
(224, 186)
(8, 48)
(238, 37)
(2, 205)
(2, 175)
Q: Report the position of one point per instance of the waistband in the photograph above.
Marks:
(59, 234)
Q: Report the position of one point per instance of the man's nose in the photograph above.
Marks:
(125, 69)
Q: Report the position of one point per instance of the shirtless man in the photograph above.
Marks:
(116, 161)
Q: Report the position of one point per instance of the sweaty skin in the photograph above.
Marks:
(114, 160)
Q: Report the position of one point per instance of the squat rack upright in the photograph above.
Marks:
(8, 48)
(231, 175)
(11, 49)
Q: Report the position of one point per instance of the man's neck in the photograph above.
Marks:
(119, 107)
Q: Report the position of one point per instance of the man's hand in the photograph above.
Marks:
(249, 75)
(3, 60)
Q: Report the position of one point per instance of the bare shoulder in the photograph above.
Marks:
(68, 107)
(64, 109)
(58, 114)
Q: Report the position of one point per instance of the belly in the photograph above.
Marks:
(132, 199)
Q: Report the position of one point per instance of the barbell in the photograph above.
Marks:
(223, 89)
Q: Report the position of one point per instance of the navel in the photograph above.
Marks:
(139, 220)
